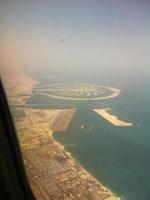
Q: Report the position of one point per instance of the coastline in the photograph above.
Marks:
(115, 197)
(40, 125)
(75, 161)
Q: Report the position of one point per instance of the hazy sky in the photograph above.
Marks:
(75, 34)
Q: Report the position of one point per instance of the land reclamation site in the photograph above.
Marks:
(83, 92)
(80, 92)
(52, 172)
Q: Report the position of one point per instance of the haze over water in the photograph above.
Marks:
(116, 156)
(94, 42)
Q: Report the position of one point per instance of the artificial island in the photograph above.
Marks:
(52, 172)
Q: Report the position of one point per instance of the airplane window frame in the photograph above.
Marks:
(13, 179)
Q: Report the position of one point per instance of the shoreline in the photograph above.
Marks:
(40, 124)
(83, 168)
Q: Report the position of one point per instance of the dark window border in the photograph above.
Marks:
(13, 180)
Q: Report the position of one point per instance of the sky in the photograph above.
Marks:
(57, 35)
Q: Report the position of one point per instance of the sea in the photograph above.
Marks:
(118, 157)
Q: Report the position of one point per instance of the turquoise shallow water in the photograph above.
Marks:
(119, 157)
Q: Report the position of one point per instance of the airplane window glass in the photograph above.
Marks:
(77, 79)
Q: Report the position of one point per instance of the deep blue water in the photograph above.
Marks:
(119, 157)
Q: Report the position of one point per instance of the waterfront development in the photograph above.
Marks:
(116, 154)
(52, 172)
(81, 145)
(77, 77)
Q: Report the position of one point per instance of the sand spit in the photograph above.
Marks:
(112, 118)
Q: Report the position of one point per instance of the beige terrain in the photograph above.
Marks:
(111, 118)
(18, 87)
(52, 172)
